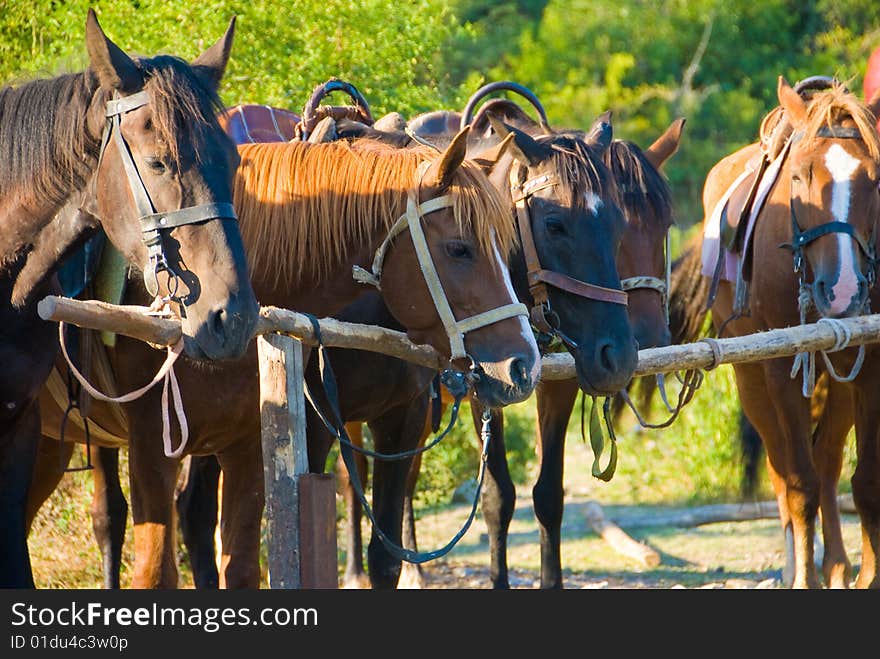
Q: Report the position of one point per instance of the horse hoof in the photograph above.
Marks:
(411, 579)
(357, 582)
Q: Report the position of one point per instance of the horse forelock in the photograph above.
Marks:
(831, 108)
(183, 106)
(304, 207)
(580, 170)
(641, 187)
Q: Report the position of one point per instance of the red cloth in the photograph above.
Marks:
(872, 77)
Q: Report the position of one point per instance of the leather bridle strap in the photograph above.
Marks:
(152, 223)
(539, 278)
(411, 219)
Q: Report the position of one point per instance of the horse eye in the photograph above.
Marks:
(155, 164)
(554, 226)
(458, 250)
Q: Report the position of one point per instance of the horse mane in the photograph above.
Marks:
(831, 107)
(303, 207)
(641, 186)
(580, 169)
(47, 152)
(45, 148)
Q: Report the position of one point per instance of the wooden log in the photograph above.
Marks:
(285, 458)
(128, 320)
(134, 322)
(617, 538)
(716, 513)
(559, 366)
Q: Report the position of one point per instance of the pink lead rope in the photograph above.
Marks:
(166, 373)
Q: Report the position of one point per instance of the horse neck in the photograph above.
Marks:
(43, 170)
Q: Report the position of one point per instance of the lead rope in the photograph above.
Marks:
(169, 381)
(597, 437)
(337, 428)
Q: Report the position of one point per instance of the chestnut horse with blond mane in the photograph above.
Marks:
(822, 206)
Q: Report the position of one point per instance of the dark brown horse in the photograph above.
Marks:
(131, 146)
(332, 206)
(824, 205)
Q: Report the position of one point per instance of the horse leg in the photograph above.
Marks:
(152, 480)
(555, 401)
(355, 575)
(399, 429)
(785, 431)
(498, 499)
(197, 510)
(411, 575)
(52, 459)
(109, 512)
(829, 439)
(242, 511)
(18, 454)
(866, 479)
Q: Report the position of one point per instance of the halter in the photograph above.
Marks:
(539, 278)
(800, 240)
(411, 219)
(153, 223)
(648, 281)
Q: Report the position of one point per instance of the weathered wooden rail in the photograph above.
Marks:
(300, 507)
(132, 321)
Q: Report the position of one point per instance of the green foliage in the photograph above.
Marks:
(455, 460)
(391, 51)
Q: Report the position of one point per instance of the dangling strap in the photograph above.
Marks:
(335, 425)
(165, 374)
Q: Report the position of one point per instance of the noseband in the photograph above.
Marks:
(648, 281)
(411, 219)
(800, 239)
(539, 278)
(153, 223)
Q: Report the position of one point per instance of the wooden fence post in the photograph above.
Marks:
(283, 423)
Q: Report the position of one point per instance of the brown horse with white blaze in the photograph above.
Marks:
(823, 206)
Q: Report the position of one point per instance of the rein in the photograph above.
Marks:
(169, 381)
(334, 423)
(411, 220)
(153, 223)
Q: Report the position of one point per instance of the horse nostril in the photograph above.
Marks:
(216, 322)
(607, 357)
(519, 373)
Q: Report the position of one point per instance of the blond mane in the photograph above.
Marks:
(304, 207)
(830, 108)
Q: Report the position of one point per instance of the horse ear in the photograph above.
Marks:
(442, 170)
(325, 131)
(601, 133)
(115, 69)
(792, 102)
(212, 63)
(665, 145)
(524, 147)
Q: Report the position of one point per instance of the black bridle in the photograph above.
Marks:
(800, 238)
(153, 223)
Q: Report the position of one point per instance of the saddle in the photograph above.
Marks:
(740, 207)
(251, 123)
